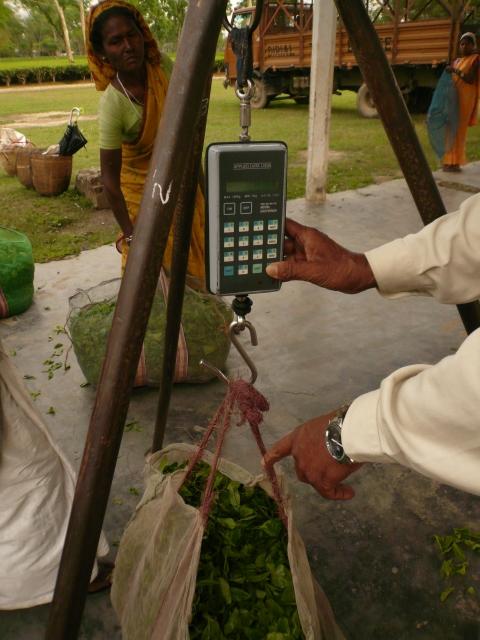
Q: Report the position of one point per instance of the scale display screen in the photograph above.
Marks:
(271, 186)
(246, 204)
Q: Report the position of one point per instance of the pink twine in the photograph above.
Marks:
(250, 404)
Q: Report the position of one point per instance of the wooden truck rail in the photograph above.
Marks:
(282, 47)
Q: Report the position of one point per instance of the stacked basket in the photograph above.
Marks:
(51, 174)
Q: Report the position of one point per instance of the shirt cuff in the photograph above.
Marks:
(397, 270)
(360, 432)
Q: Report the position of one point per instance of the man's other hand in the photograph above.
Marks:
(313, 464)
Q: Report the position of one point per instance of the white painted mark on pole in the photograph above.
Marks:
(158, 186)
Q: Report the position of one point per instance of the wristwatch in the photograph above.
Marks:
(333, 438)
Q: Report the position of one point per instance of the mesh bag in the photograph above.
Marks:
(16, 272)
(442, 117)
(156, 566)
(205, 320)
(212, 551)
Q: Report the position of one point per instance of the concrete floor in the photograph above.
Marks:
(373, 556)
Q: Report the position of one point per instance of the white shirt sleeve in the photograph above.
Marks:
(442, 260)
(427, 417)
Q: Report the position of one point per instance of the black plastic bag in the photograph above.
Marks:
(73, 139)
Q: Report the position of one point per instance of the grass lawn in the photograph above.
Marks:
(67, 224)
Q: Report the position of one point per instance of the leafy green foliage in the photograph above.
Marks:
(459, 552)
(205, 320)
(244, 585)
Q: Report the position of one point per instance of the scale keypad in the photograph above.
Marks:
(260, 248)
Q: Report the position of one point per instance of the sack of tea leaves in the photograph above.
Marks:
(205, 321)
(16, 272)
(242, 576)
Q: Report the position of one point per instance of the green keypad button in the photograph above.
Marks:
(257, 268)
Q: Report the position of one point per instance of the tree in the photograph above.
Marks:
(81, 8)
(63, 23)
(10, 30)
(164, 17)
(53, 13)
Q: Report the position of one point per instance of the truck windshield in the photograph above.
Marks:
(243, 19)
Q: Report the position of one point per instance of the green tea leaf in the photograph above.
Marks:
(444, 595)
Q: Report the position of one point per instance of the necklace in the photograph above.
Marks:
(129, 94)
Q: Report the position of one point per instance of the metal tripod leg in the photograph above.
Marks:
(170, 154)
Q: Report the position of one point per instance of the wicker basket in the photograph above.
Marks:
(51, 174)
(8, 158)
(24, 165)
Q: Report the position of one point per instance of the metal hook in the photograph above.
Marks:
(245, 93)
(236, 327)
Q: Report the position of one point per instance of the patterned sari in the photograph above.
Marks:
(468, 95)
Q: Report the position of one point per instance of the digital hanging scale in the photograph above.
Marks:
(246, 206)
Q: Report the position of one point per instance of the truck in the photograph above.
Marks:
(417, 47)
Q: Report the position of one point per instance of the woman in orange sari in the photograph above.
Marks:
(128, 67)
(466, 77)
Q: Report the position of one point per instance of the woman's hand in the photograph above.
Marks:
(312, 256)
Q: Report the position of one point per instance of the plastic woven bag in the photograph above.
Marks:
(205, 320)
(156, 567)
(16, 272)
(442, 117)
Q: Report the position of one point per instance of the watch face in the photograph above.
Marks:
(334, 442)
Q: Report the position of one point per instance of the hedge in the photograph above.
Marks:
(66, 73)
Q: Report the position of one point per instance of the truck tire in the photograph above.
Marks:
(260, 98)
(365, 105)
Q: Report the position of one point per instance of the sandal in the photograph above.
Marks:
(103, 580)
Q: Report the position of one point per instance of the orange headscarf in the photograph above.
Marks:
(102, 71)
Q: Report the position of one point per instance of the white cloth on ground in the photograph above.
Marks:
(36, 491)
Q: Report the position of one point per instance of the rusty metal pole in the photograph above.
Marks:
(181, 246)
(390, 105)
(170, 154)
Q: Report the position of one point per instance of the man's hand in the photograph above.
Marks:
(314, 257)
(313, 464)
